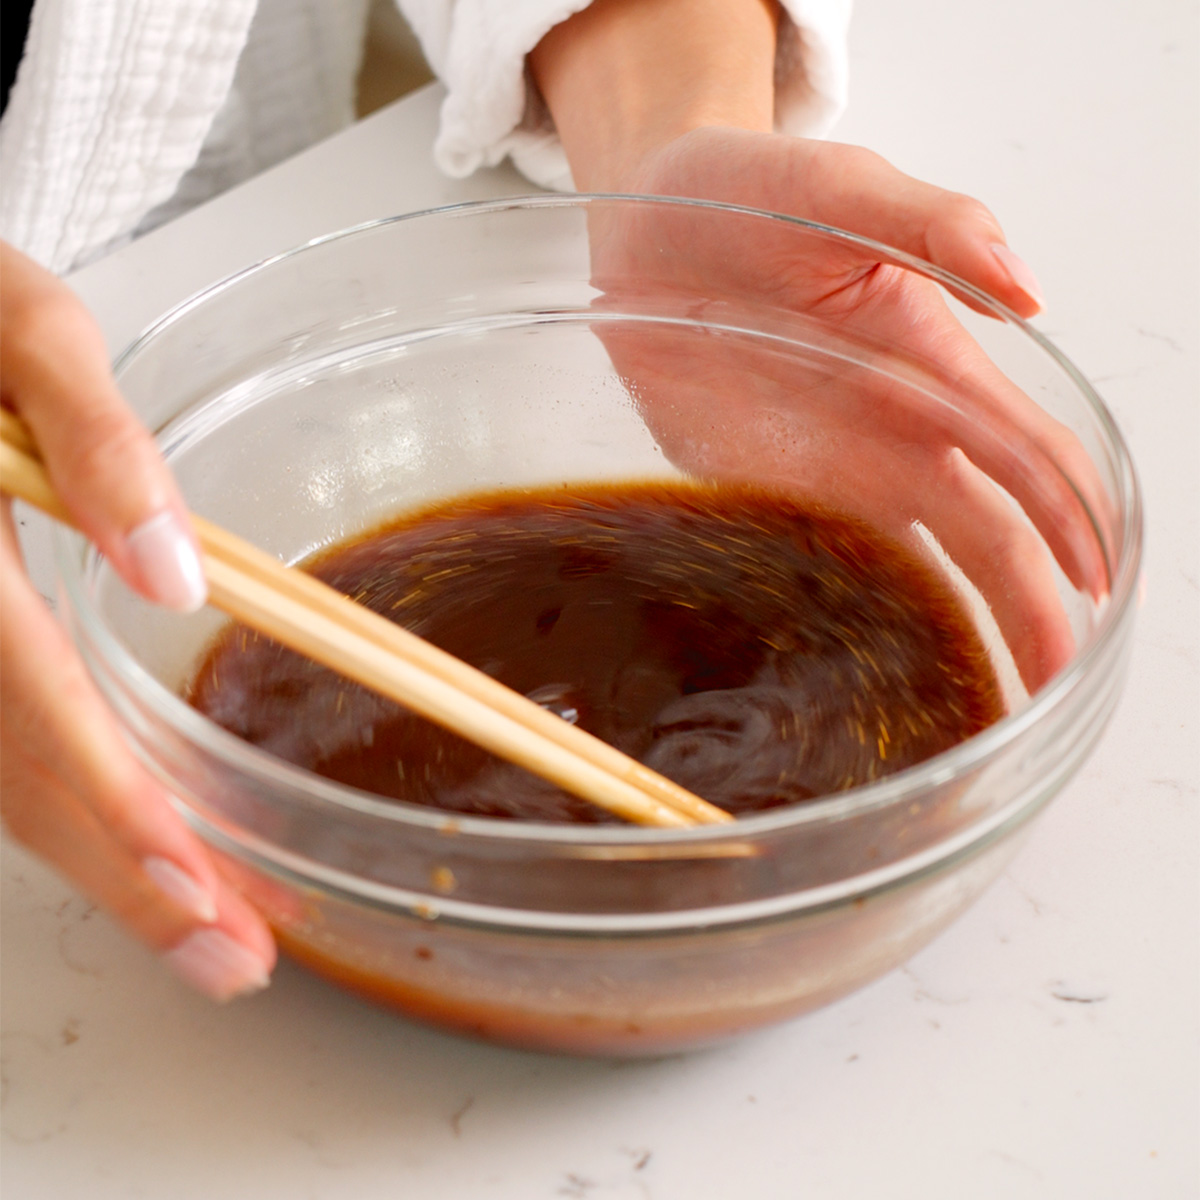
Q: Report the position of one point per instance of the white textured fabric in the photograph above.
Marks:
(295, 84)
(111, 105)
(811, 66)
(492, 110)
(127, 112)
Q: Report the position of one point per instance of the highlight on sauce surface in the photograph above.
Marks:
(758, 651)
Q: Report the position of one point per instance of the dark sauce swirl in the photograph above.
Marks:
(757, 651)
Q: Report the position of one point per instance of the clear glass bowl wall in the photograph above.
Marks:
(468, 349)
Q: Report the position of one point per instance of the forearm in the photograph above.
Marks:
(624, 77)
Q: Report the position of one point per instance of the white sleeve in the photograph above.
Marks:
(492, 110)
(111, 105)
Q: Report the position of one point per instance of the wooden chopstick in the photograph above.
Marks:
(305, 614)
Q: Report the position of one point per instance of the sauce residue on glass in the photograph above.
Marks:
(757, 650)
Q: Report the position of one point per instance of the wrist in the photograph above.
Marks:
(624, 78)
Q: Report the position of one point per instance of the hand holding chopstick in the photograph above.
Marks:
(299, 611)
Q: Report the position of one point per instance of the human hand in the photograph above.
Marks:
(694, 121)
(940, 454)
(72, 791)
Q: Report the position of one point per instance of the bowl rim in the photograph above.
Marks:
(969, 755)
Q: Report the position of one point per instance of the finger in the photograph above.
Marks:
(853, 188)
(103, 463)
(1048, 472)
(896, 488)
(230, 954)
(1035, 458)
(976, 527)
(1006, 562)
(74, 794)
(52, 710)
(844, 449)
(858, 190)
(814, 412)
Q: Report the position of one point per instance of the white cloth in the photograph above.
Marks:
(492, 110)
(110, 107)
(127, 112)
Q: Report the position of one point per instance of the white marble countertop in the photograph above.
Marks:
(1044, 1047)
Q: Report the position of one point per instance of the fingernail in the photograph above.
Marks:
(185, 891)
(213, 963)
(1020, 272)
(167, 562)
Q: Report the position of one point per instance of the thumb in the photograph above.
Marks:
(854, 189)
(865, 194)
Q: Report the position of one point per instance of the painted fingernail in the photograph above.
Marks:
(213, 963)
(167, 561)
(1020, 273)
(185, 891)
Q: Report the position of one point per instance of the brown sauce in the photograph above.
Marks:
(755, 650)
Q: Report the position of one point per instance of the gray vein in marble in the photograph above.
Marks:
(1012, 1160)
(1159, 337)
(29, 1126)
(629, 1179)
(317, 1143)
(1179, 786)
(1080, 999)
(921, 992)
(1039, 909)
(34, 1139)
(457, 1115)
(641, 1157)
(68, 952)
(576, 1185)
(1115, 376)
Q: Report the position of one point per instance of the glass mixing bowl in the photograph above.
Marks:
(545, 340)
